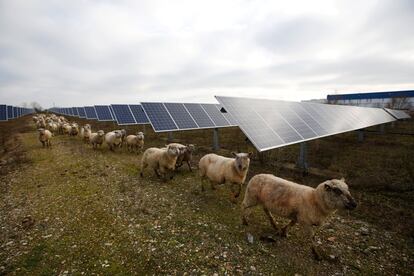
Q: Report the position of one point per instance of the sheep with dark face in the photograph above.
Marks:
(301, 204)
(97, 138)
(219, 169)
(162, 161)
(44, 137)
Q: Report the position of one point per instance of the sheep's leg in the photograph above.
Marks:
(43, 144)
(286, 228)
(246, 212)
(314, 246)
(235, 194)
(271, 219)
(143, 166)
(213, 185)
(189, 166)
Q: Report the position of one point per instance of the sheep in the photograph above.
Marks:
(135, 141)
(85, 133)
(113, 139)
(161, 161)
(301, 204)
(74, 129)
(44, 137)
(219, 169)
(67, 128)
(97, 138)
(186, 155)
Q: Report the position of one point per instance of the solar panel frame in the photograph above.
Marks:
(103, 113)
(75, 111)
(81, 112)
(3, 113)
(398, 114)
(181, 116)
(139, 114)
(90, 112)
(159, 117)
(250, 122)
(10, 112)
(121, 111)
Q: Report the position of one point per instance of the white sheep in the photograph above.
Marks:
(219, 170)
(74, 129)
(135, 141)
(67, 128)
(45, 137)
(186, 155)
(113, 139)
(85, 133)
(162, 161)
(97, 138)
(301, 204)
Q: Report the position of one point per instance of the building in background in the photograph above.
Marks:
(390, 99)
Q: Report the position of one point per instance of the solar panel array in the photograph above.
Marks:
(81, 112)
(103, 113)
(8, 112)
(271, 124)
(398, 114)
(184, 116)
(123, 114)
(90, 112)
(139, 114)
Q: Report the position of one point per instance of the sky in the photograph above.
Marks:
(75, 53)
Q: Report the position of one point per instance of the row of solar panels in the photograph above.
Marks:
(162, 116)
(8, 112)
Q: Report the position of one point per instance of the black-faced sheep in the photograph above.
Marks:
(162, 161)
(44, 137)
(301, 204)
(219, 169)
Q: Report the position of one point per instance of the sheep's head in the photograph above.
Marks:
(101, 133)
(337, 195)
(118, 133)
(242, 160)
(140, 136)
(123, 132)
(41, 131)
(190, 148)
(173, 150)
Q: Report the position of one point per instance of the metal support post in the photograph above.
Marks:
(302, 160)
(216, 144)
(170, 137)
(360, 135)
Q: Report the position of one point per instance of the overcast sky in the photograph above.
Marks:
(75, 53)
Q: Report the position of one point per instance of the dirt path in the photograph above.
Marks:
(72, 210)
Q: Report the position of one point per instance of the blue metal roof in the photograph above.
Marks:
(372, 95)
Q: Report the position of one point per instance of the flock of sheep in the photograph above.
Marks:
(300, 204)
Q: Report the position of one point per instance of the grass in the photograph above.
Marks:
(94, 215)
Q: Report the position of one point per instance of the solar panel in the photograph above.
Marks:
(398, 114)
(75, 111)
(159, 117)
(81, 112)
(216, 116)
(139, 114)
(123, 114)
(15, 115)
(180, 115)
(10, 112)
(90, 112)
(3, 112)
(199, 115)
(270, 124)
(103, 113)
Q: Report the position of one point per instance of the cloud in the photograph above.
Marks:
(100, 52)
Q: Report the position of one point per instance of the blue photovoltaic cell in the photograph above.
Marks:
(159, 117)
(199, 115)
(103, 113)
(139, 114)
(90, 112)
(123, 115)
(181, 116)
(215, 115)
(81, 112)
(10, 112)
(3, 112)
(75, 111)
(15, 112)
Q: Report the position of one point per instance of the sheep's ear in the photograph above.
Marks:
(327, 186)
(343, 179)
(234, 154)
(250, 154)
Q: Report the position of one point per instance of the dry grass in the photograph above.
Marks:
(73, 210)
